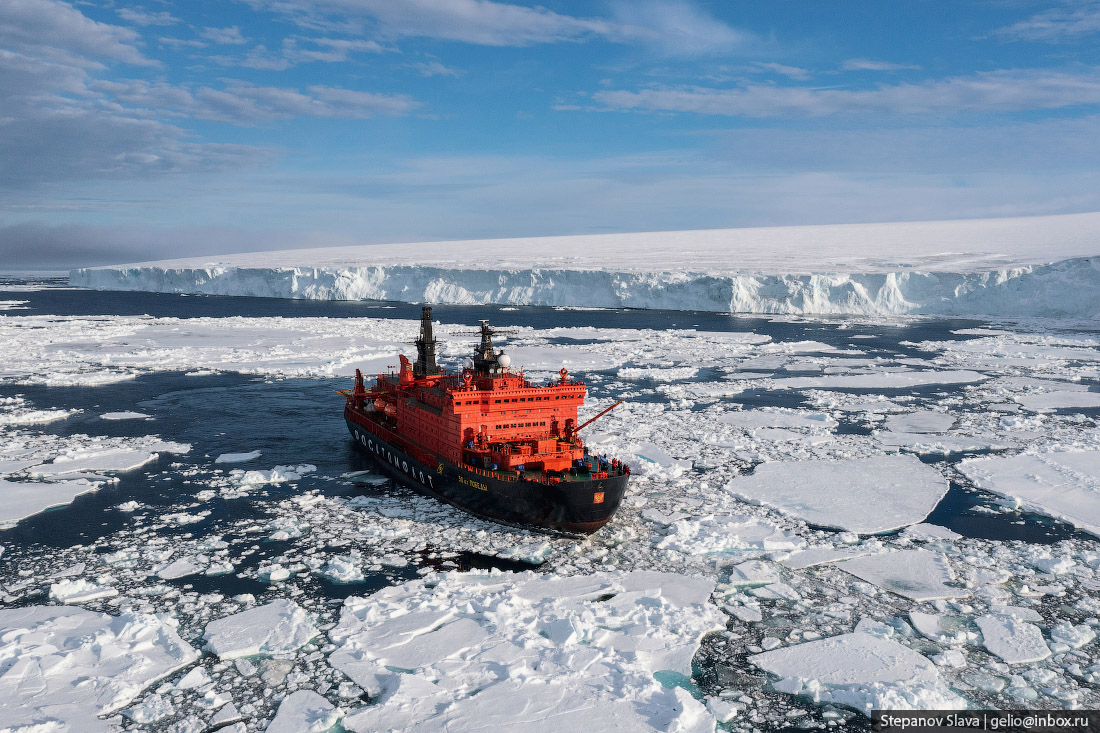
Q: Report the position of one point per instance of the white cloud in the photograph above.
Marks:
(257, 58)
(298, 50)
(143, 18)
(869, 65)
(240, 103)
(1072, 22)
(56, 125)
(477, 21)
(230, 36)
(434, 68)
(793, 72)
(674, 27)
(60, 122)
(55, 31)
(178, 43)
(994, 91)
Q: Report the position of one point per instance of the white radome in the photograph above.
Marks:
(504, 360)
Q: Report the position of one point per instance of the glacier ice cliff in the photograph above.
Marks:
(1067, 288)
(1019, 267)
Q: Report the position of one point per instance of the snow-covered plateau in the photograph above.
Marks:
(1023, 267)
(825, 516)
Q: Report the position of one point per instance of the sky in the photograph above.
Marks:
(170, 128)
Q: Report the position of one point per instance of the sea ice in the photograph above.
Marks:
(100, 456)
(860, 671)
(343, 569)
(22, 499)
(1014, 641)
(715, 534)
(79, 591)
(753, 419)
(820, 555)
(277, 475)
(880, 380)
(65, 666)
(523, 651)
(926, 532)
(864, 495)
(923, 443)
(238, 457)
(1060, 484)
(754, 572)
(917, 574)
(1041, 401)
(922, 421)
(304, 711)
(124, 416)
(180, 568)
(34, 417)
(279, 626)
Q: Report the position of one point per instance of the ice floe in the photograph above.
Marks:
(711, 534)
(1011, 639)
(22, 499)
(276, 627)
(238, 457)
(861, 671)
(1059, 400)
(66, 666)
(921, 575)
(304, 711)
(866, 495)
(921, 421)
(1060, 484)
(126, 415)
(79, 591)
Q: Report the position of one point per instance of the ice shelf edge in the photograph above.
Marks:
(1066, 288)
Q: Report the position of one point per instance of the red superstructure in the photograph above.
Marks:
(486, 421)
(483, 417)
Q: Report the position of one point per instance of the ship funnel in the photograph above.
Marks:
(425, 346)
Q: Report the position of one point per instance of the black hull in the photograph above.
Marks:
(571, 507)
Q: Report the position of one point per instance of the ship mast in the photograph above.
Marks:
(485, 358)
(425, 346)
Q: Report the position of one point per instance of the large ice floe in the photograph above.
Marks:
(63, 667)
(861, 671)
(527, 652)
(1021, 267)
(1061, 484)
(866, 495)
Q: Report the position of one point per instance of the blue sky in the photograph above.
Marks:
(132, 131)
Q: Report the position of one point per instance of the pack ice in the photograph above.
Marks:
(1037, 266)
(39, 471)
(63, 667)
(496, 651)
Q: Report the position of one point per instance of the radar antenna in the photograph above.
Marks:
(486, 358)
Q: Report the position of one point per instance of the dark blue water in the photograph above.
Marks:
(298, 421)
